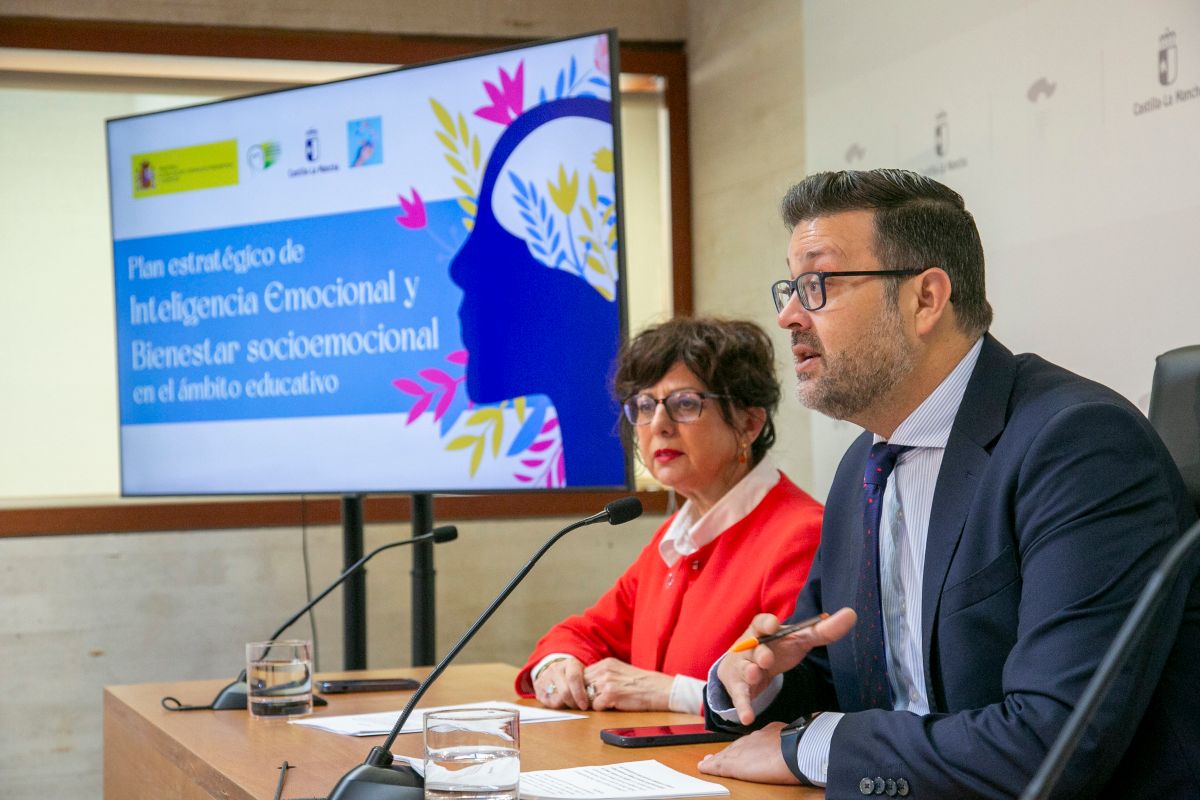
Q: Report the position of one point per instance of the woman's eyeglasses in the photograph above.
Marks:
(683, 405)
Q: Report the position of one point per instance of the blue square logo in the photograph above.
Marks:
(364, 138)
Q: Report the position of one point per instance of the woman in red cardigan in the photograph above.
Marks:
(698, 394)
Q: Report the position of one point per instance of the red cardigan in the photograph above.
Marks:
(759, 564)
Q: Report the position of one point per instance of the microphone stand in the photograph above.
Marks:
(378, 778)
(234, 695)
(1128, 637)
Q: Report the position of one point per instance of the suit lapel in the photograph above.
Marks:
(979, 421)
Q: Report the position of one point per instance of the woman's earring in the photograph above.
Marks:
(742, 454)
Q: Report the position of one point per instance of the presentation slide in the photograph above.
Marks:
(409, 281)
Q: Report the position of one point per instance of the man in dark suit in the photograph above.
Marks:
(983, 540)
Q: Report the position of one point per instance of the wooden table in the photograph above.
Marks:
(151, 754)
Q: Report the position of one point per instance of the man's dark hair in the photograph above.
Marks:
(919, 223)
(734, 358)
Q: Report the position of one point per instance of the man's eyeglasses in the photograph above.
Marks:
(810, 286)
(684, 405)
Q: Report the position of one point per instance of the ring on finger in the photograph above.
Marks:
(551, 689)
(591, 691)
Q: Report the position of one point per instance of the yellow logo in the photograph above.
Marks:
(185, 169)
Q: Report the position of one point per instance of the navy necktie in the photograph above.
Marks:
(869, 651)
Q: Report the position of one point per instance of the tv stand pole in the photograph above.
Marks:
(354, 594)
(424, 611)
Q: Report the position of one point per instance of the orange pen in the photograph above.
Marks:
(785, 630)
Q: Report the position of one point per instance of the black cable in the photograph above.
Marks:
(312, 614)
(175, 704)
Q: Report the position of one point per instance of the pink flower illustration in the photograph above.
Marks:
(508, 100)
(600, 57)
(414, 211)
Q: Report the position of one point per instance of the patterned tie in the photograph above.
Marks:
(868, 633)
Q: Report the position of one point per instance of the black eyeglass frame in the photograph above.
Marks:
(794, 283)
(626, 405)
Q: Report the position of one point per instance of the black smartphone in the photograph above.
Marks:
(367, 685)
(659, 735)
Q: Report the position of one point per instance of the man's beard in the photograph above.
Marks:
(866, 373)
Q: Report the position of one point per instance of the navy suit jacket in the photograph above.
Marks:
(1054, 503)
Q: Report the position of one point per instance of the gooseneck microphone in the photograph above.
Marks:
(233, 696)
(1162, 580)
(378, 778)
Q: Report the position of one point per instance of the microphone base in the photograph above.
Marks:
(368, 782)
(233, 698)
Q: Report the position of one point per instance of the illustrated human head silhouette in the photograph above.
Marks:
(532, 329)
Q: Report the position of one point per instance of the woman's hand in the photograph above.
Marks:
(615, 684)
(561, 685)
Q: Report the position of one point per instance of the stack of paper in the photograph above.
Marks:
(633, 780)
(381, 723)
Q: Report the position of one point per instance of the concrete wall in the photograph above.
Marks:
(745, 67)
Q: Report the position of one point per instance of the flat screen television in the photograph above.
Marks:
(411, 281)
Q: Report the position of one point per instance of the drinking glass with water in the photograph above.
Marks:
(279, 678)
(472, 754)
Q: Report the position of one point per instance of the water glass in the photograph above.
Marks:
(279, 678)
(472, 754)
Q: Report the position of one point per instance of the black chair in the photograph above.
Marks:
(1175, 411)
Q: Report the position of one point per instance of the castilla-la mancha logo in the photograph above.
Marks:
(1168, 58)
(941, 134)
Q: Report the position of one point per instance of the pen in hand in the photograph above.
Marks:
(785, 630)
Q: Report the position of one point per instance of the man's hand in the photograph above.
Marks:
(744, 675)
(754, 757)
(615, 684)
(560, 685)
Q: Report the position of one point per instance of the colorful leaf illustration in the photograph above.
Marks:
(409, 387)
(508, 99)
(413, 217)
(418, 408)
(565, 191)
(548, 462)
(532, 427)
(445, 389)
(461, 148)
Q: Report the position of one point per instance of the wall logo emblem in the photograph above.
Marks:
(1168, 58)
(1043, 87)
(941, 134)
(855, 152)
(312, 146)
(942, 161)
(1168, 72)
